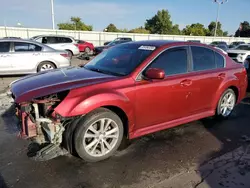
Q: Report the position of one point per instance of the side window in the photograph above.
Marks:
(174, 61)
(219, 60)
(63, 40)
(203, 59)
(51, 40)
(4, 47)
(40, 39)
(26, 47)
(67, 40)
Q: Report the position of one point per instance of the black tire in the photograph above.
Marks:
(219, 114)
(42, 64)
(83, 126)
(70, 53)
(87, 50)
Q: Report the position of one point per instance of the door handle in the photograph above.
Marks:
(186, 82)
(221, 76)
(36, 54)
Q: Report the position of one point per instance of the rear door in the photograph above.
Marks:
(25, 57)
(208, 74)
(5, 65)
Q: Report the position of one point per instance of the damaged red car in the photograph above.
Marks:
(128, 91)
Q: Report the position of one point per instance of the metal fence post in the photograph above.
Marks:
(28, 33)
(6, 35)
(100, 39)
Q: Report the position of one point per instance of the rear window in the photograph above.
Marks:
(243, 47)
(4, 46)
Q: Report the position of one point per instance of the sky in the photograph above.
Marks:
(123, 13)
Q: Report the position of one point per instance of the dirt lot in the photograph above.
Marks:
(149, 161)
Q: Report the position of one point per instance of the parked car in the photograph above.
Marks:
(119, 39)
(85, 46)
(223, 47)
(59, 43)
(240, 53)
(128, 91)
(99, 49)
(18, 56)
(236, 43)
(216, 43)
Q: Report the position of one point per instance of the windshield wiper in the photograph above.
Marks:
(104, 71)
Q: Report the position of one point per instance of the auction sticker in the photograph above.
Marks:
(147, 48)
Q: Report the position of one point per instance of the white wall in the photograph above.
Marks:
(98, 38)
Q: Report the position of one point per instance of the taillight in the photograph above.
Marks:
(65, 55)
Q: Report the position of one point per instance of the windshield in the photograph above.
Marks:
(119, 61)
(243, 47)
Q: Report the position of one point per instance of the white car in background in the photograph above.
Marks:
(240, 53)
(59, 42)
(18, 56)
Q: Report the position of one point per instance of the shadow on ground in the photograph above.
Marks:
(233, 169)
(2, 182)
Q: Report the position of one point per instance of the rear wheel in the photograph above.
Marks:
(87, 50)
(226, 104)
(70, 54)
(98, 135)
(45, 66)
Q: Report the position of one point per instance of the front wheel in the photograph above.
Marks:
(226, 104)
(98, 135)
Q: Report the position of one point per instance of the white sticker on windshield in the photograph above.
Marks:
(147, 48)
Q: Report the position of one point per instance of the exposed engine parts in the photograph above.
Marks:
(42, 126)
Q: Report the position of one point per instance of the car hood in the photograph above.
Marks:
(49, 82)
(237, 51)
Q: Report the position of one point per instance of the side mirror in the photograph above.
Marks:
(155, 73)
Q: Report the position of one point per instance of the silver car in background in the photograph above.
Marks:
(18, 56)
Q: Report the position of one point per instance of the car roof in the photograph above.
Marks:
(156, 43)
(53, 35)
(25, 40)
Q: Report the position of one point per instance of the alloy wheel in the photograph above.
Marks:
(46, 67)
(227, 104)
(101, 137)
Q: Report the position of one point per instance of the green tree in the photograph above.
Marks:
(195, 29)
(219, 32)
(111, 28)
(139, 30)
(75, 24)
(161, 23)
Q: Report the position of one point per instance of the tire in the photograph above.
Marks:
(87, 50)
(70, 54)
(221, 113)
(89, 142)
(44, 66)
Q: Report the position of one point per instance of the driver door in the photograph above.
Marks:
(159, 101)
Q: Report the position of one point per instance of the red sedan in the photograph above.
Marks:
(85, 46)
(127, 91)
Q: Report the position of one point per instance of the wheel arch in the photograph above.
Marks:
(48, 61)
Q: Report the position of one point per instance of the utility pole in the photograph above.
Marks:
(219, 2)
(52, 14)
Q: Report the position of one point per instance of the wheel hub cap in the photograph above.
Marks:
(227, 104)
(101, 137)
